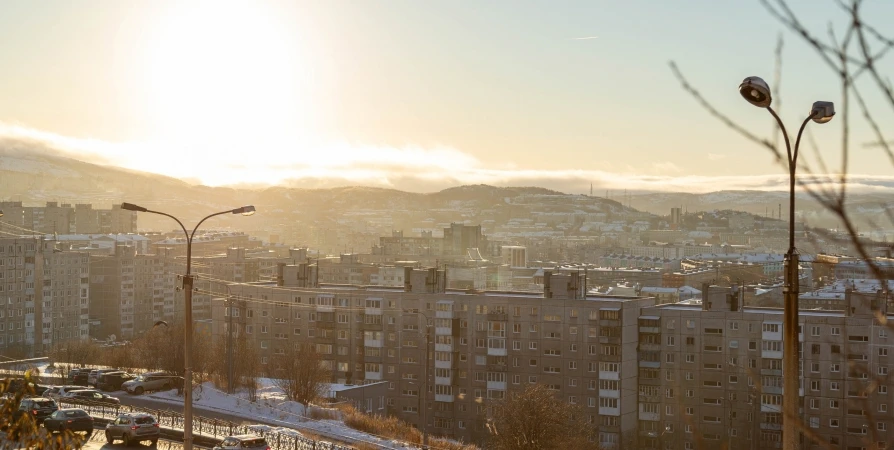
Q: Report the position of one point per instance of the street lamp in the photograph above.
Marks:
(187, 306)
(757, 92)
(424, 394)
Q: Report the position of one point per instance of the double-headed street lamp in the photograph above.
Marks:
(187, 306)
(757, 92)
(424, 393)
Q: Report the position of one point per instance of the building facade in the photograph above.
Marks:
(480, 346)
(45, 295)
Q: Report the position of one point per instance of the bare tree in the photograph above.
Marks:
(534, 419)
(300, 373)
(852, 53)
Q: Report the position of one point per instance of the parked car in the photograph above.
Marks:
(18, 385)
(150, 381)
(38, 407)
(73, 419)
(131, 428)
(91, 396)
(112, 381)
(243, 442)
(57, 392)
(79, 378)
(93, 376)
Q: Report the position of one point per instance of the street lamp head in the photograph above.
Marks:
(131, 207)
(756, 91)
(1, 213)
(160, 323)
(822, 112)
(245, 210)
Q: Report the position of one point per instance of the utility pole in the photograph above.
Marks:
(231, 385)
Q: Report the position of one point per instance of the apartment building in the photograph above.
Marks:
(480, 345)
(710, 374)
(131, 291)
(44, 292)
(81, 218)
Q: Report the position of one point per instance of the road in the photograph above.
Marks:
(98, 441)
(144, 401)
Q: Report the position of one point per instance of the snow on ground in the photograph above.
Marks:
(272, 407)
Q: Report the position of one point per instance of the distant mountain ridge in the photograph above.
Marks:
(35, 177)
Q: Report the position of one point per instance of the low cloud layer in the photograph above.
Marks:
(409, 168)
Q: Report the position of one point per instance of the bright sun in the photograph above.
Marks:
(225, 79)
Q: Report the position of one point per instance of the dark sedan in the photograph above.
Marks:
(73, 419)
(90, 396)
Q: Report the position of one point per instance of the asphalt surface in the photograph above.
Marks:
(98, 441)
(144, 401)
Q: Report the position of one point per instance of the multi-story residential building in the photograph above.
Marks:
(65, 218)
(130, 292)
(480, 345)
(710, 374)
(45, 291)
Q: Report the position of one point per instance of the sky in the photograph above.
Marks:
(418, 95)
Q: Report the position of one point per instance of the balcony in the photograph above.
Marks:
(327, 325)
(492, 351)
(443, 347)
(372, 326)
(497, 316)
(771, 426)
(447, 398)
(651, 330)
(325, 308)
(373, 311)
(444, 314)
(373, 343)
(497, 367)
(650, 347)
(496, 385)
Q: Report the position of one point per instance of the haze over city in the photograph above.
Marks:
(414, 96)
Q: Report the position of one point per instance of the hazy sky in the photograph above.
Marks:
(413, 94)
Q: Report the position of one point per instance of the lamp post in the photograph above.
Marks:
(187, 306)
(757, 92)
(424, 395)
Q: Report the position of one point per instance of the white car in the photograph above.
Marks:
(56, 392)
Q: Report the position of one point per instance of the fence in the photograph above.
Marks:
(205, 429)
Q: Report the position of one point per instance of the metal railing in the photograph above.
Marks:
(204, 428)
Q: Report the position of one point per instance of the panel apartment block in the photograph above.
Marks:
(710, 374)
(44, 296)
(479, 346)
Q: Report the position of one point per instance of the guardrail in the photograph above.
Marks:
(206, 431)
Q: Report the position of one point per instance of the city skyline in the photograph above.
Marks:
(413, 97)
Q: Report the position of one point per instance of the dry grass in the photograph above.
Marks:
(322, 414)
(391, 427)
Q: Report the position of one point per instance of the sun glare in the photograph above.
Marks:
(225, 80)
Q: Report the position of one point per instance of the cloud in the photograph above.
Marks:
(715, 156)
(666, 167)
(411, 168)
(583, 38)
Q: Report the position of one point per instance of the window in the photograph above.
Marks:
(833, 404)
(834, 385)
(814, 403)
(882, 351)
(835, 368)
(833, 423)
(814, 422)
(771, 328)
(815, 331)
(690, 358)
(836, 331)
(671, 340)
